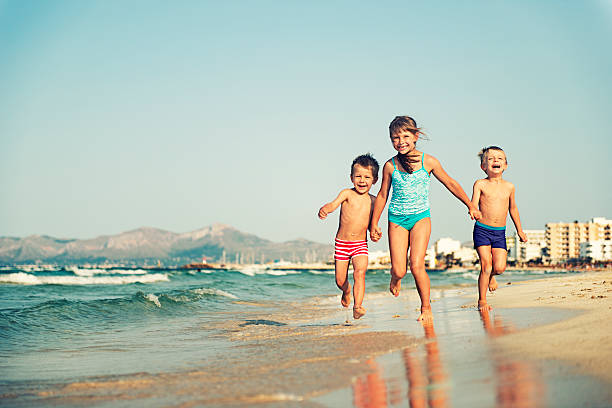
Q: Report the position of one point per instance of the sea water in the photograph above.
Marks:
(60, 324)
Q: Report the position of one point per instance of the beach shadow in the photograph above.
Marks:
(262, 322)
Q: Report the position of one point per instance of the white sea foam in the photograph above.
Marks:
(263, 270)
(28, 279)
(470, 275)
(94, 271)
(321, 272)
(152, 298)
(276, 272)
(218, 292)
(85, 271)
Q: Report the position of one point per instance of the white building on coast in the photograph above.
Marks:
(597, 250)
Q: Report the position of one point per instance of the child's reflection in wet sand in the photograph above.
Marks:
(370, 391)
(426, 388)
(519, 384)
(426, 385)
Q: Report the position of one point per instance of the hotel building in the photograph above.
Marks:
(533, 248)
(563, 239)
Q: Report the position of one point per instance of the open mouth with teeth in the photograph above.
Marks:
(497, 166)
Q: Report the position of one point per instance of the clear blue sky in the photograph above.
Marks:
(176, 115)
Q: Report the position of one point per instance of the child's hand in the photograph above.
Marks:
(375, 233)
(475, 214)
(322, 213)
(522, 236)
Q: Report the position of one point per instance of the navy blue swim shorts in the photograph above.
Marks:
(487, 235)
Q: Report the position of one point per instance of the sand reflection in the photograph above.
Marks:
(370, 391)
(427, 384)
(518, 383)
(426, 380)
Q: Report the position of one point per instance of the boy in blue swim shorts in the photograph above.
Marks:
(494, 197)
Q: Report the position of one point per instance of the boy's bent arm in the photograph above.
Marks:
(516, 219)
(331, 206)
(453, 186)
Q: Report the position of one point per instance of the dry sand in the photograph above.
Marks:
(583, 341)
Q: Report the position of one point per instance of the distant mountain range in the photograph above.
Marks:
(218, 243)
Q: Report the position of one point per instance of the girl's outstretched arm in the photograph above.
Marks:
(381, 201)
(451, 184)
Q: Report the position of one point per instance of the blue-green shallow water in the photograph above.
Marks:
(65, 324)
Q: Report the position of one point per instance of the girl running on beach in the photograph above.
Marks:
(409, 219)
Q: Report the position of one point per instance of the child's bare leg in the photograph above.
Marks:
(342, 282)
(419, 238)
(360, 266)
(499, 265)
(398, 246)
(486, 260)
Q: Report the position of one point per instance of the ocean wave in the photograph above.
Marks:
(470, 275)
(323, 272)
(214, 292)
(104, 271)
(22, 278)
(154, 299)
(256, 270)
(61, 316)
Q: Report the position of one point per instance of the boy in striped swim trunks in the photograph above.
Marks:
(494, 197)
(357, 204)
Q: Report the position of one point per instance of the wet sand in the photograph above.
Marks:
(544, 344)
(584, 341)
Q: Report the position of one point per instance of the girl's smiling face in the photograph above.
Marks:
(404, 141)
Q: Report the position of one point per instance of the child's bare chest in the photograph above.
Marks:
(358, 206)
(493, 193)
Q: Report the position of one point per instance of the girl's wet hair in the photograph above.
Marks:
(482, 154)
(366, 160)
(406, 124)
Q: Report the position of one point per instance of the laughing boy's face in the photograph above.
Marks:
(495, 163)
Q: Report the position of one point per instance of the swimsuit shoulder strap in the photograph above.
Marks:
(423, 163)
(393, 161)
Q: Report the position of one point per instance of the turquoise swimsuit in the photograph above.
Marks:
(410, 198)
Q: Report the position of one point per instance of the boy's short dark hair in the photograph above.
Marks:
(366, 160)
(483, 152)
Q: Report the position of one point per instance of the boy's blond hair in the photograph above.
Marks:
(483, 153)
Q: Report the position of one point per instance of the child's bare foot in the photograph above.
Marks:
(358, 312)
(345, 301)
(426, 315)
(483, 305)
(395, 286)
(492, 284)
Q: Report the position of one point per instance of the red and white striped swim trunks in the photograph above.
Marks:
(345, 250)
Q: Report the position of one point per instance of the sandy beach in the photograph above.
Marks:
(545, 343)
(583, 341)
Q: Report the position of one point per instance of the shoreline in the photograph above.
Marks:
(303, 353)
(583, 341)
